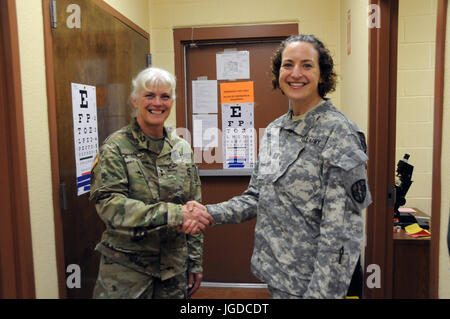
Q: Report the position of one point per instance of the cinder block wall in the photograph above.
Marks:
(415, 95)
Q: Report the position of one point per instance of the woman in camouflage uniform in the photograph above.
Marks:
(140, 184)
(308, 191)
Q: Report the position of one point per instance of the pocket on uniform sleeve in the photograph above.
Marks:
(351, 160)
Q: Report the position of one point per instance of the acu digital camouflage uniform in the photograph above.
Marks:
(139, 187)
(307, 191)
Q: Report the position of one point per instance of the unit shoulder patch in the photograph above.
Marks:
(359, 190)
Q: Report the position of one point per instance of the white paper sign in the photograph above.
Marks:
(233, 65)
(204, 96)
(85, 133)
(205, 130)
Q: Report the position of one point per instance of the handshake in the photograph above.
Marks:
(195, 218)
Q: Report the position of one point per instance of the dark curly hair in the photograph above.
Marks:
(326, 63)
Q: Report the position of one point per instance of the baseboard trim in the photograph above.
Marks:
(232, 285)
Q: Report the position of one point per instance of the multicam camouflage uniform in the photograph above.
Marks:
(307, 191)
(139, 186)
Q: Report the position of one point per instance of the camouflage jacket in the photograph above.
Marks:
(139, 194)
(307, 190)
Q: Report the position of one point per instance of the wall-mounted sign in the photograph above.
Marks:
(85, 133)
(237, 100)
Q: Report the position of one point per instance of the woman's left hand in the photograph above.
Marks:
(194, 282)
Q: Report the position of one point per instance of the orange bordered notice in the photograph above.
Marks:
(237, 92)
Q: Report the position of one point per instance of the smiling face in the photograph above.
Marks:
(153, 108)
(300, 76)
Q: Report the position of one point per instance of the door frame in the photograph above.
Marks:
(439, 77)
(15, 225)
(383, 44)
(381, 145)
(53, 132)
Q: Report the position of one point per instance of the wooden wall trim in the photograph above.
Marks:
(441, 26)
(52, 122)
(20, 210)
(236, 32)
(381, 144)
(50, 81)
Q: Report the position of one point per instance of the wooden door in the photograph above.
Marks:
(228, 248)
(106, 53)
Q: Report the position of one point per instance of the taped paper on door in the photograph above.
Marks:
(233, 65)
(205, 130)
(204, 96)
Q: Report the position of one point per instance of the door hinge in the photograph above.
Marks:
(149, 60)
(391, 195)
(63, 196)
(53, 19)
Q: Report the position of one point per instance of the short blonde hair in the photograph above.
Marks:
(151, 77)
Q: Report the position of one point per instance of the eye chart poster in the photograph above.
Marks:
(238, 124)
(84, 108)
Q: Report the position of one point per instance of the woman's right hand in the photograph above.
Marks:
(195, 218)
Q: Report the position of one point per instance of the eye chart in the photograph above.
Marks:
(85, 133)
(238, 124)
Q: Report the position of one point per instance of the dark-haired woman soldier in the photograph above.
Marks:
(309, 186)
